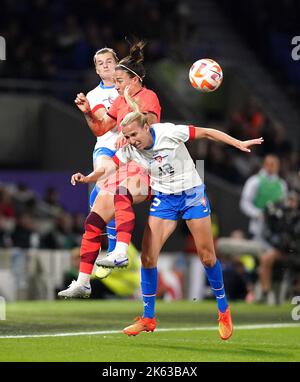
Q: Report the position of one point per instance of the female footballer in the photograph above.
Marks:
(179, 192)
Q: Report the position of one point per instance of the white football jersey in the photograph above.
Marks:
(104, 96)
(168, 161)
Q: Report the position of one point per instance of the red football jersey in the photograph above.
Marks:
(146, 99)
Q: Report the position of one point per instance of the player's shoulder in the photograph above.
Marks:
(163, 129)
(94, 92)
(148, 92)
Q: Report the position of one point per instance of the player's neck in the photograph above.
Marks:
(150, 142)
(135, 90)
(108, 83)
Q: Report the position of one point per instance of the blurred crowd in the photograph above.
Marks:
(29, 221)
(269, 28)
(62, 35)
(247, 123)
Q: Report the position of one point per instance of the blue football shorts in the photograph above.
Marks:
(96, 153)
(189, 204)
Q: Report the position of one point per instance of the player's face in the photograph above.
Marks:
(122, 80)
(137, 136)
(271, 165)
(105, 66)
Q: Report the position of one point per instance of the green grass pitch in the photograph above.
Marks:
(187, 332)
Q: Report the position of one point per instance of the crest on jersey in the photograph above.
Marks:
(159, 158)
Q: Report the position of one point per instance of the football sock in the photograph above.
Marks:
(84, 279)
(111, 226)
(121, 247)
(124, 215)
(149, 289)
(111, 235)
(91, 242)
(215, 278)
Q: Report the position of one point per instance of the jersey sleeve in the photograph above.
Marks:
(122, 156)
(150, 104)
(94, 102)
(113, 110)
(180, 133)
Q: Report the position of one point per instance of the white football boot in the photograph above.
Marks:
(113, 260)
(75, 290)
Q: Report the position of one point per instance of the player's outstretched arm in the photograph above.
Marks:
(100, 172)
(98, 123)
(219, 136)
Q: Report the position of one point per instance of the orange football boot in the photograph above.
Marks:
(141, 325)
(225, 324)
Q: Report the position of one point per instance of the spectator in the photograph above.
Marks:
(7, 209)
(24, 235)
(260, 189)
(62, 236)
(282, 231)
(52, 203)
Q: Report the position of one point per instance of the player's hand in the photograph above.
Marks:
(78, 178)
(121, 141)
(244, 145)
(82, 103)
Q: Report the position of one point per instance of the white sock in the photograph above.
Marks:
(121, 248)
(84, 279)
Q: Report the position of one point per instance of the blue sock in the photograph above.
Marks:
(149, 289)
(111, 235)
(215, 278)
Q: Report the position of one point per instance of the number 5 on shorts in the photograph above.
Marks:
(156, 202)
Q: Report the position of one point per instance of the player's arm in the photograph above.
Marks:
(109, 166)
(220, 136)
(151, 118)
(99, 122)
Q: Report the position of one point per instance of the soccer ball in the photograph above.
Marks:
(206, 75)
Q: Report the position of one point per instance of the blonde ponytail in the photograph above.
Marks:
(135, 115)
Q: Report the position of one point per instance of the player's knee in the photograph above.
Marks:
(208, 257)
(93, 221)
(148, 261)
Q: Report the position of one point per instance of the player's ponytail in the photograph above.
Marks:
(133, 63)
(136, 52)
(135, 115)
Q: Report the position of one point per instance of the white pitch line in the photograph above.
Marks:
(202, 328)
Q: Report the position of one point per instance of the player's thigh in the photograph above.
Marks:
(104, 205)
(106, 162)
(137, 186)
(156, 233)
(202, 233)
(101, 161)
